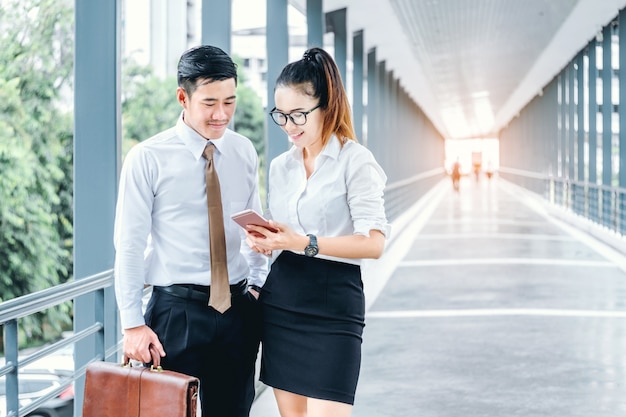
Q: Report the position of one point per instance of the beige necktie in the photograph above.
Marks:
(220, 287)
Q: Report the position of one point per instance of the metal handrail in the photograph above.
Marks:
(437, 172)
(12, 310)
(601, 204)
(35, 302)
(400, 195)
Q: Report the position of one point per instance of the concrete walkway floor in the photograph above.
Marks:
(483, 305)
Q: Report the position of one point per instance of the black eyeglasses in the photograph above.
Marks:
(298, 118)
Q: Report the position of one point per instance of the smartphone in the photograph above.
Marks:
(249, 216)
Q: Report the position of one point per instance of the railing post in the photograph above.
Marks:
(99, 316)
(615, 210)
(11, 357)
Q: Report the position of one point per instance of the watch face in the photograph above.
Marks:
(310, 251)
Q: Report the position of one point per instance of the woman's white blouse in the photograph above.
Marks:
(343, 195)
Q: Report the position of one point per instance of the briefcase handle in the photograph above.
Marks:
(156, 360)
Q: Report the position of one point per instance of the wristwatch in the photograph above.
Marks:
(311, 249)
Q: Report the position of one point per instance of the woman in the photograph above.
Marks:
(326, 204)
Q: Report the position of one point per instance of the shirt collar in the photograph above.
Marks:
(192, 140)
(331, 150)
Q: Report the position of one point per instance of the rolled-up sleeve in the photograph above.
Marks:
(366, 184)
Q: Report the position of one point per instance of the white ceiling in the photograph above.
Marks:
(472, 65)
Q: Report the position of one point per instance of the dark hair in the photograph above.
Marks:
(202, 63)
(316, 75)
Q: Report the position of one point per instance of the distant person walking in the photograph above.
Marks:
(456, 175)
(477, 167)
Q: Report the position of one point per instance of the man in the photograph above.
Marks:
(162, 239)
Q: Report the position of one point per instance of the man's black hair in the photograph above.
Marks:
(204, 62)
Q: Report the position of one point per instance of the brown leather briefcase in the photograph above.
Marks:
(118, 390)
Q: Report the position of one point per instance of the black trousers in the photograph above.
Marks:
(219, 349)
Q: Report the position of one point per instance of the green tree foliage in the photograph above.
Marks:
(36, 61)
(250, 121)
(249, 116)
(149, 103)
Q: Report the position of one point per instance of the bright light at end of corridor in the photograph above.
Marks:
(465, 150)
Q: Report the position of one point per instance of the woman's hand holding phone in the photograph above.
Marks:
(251, 217)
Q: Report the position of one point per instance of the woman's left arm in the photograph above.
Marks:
(353, 246)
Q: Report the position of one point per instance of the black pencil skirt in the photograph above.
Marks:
(313, 318)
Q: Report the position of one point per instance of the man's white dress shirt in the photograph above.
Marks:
(161, 224)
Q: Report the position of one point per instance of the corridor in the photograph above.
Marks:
(484, 306)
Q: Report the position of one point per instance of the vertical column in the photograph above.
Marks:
(314, 23)
(405, 124)
(216, 23)
(277, 38)
(410, 120)
(394, 138)
(528, 157)
(607, 134)
(552, 132)
(563, 130)
(97, 144)
(357, 84)
(389, 116)
(217, 28)
(336, 23)
(383, 110)
(169, 29)
(579, 205)
(398, 125)
(561, 139)
(372, 98)
(621, 178)
(571, 134)
(593, 132)
(542, 128)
